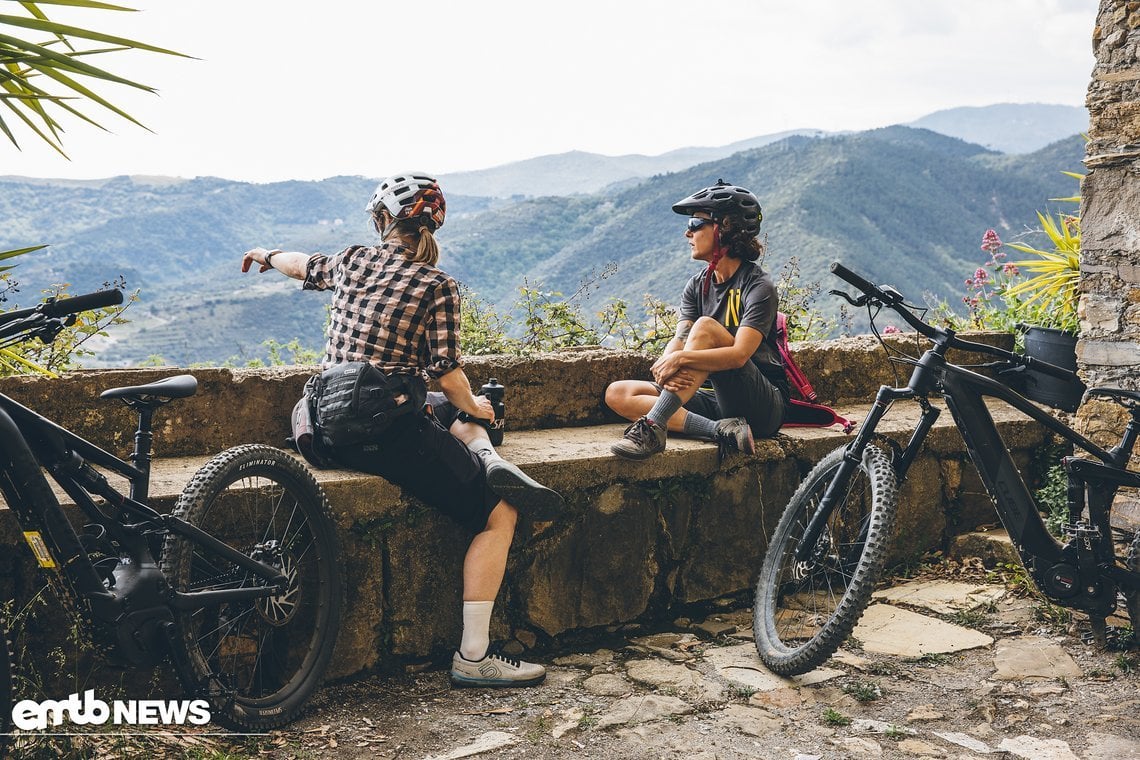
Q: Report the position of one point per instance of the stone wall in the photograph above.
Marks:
(1109, 350)
(638, 540)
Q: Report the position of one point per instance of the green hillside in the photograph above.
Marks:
(901, 205)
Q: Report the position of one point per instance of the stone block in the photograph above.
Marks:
(921, 521)
(596, 570)
(739, 513)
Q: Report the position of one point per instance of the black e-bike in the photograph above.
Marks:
(831, 542)
(240, 587)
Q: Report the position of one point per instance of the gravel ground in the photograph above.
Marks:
(690, 691)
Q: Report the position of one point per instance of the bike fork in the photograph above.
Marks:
(851, 460)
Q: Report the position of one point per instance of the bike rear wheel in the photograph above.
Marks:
(805, 610)
(265, 657)
(1132, 595)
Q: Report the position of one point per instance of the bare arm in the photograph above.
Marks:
(289, 263)
(457, 388)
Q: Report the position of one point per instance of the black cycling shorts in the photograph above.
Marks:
(743, 392)
(421, 456)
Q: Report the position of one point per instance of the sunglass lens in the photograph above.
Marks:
(696, 222)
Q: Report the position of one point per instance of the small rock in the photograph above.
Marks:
(514, 648)
(851, 659)
(1032, 657)
(921, 748)
(1111, 747)
(607, 685)
(527, 638)
(967, 741)
(585, 660)
(778, 698)
(643, 709)
(750, 720)
(924, 713)
(571, 719)
(1038, 692)
(662, 675)
(858, 746)
(488, 742)
(714, 628)
(1033, 748)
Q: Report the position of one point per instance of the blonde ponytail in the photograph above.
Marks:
(427, 250)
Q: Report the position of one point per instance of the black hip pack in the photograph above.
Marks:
(354, 403)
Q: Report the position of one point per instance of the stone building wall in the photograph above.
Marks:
(1109, 350)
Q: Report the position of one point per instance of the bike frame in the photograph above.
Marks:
(31, 443)
(965, 393)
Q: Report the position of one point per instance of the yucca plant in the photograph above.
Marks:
(1052, 291)
(40, 79)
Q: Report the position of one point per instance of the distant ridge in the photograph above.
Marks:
(1008, 127)
(577, 172)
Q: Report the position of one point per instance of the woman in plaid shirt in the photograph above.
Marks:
(393, 307)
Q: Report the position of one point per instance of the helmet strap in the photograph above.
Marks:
(718, 253)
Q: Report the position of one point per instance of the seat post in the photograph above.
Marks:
(140, 457)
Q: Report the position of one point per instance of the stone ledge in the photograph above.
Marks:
(638, 538)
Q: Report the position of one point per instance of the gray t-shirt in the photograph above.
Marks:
(747, 299)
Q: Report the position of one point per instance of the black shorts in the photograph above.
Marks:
(420, 455)
(743, 392)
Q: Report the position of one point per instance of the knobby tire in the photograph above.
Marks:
(262, 659)
(805, 611)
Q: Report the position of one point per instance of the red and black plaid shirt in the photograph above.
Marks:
(387, 310)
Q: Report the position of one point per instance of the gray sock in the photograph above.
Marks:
(667, 405)
(699, 427)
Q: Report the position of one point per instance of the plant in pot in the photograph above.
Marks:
(1049, 300)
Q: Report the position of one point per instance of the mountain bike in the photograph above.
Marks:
(831, 542)
(240, 588)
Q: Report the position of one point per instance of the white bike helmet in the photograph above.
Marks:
(410, 195)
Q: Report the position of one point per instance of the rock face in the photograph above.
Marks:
(1109, 350)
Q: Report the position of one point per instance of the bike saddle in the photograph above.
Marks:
(155, 394)
(1130, 399)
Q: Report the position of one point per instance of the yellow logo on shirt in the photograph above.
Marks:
(732, 308)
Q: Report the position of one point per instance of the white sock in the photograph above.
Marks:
(476, 630)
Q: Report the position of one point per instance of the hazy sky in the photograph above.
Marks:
(296, 89)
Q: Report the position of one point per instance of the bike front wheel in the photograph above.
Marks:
(259, 660)
(805, 610)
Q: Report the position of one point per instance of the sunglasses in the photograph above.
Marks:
(695, 223)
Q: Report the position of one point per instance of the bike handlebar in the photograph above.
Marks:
(892, 300)
(62, 307)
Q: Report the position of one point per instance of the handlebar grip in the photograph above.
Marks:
(86, 302)
(846, 274)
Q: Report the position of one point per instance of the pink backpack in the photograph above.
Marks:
(803, 411)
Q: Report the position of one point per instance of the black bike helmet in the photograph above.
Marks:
(724, 200)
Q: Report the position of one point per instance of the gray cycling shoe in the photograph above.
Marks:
(733, 433)
(518, 489)
(641, 440)
(495, 670)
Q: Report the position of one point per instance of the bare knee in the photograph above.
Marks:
(708, 333)
(618, 395)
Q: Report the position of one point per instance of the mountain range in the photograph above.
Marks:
(900, 204)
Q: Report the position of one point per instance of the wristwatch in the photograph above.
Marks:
(268, 258)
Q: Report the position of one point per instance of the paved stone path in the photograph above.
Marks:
(936, 668)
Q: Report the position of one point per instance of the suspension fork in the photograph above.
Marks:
(854, 457)
(851, 460)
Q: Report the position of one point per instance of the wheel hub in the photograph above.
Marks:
(279, 609)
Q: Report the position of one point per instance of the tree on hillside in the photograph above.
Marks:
(43, 79)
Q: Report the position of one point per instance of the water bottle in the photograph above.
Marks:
(495, 392)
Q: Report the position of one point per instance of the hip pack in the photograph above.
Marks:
(355, 402)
